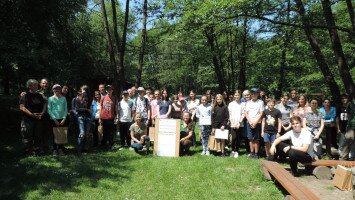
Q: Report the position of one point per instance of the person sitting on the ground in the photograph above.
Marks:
(301, 149)
(139, 134)
(186, 132)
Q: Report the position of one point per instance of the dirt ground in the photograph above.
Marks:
(325, 189)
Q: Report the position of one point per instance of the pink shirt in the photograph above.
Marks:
(153, 108)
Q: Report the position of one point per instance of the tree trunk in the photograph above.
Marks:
(286, 40)
(123, 49)
(243, 57)
(116, 37)
(329, 78)
(217, 68)
(231, 60)
(337, 48)
(352, 16)
(110, 46)
(143, 41)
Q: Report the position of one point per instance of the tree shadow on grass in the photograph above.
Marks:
(43, 175)
(64, 174)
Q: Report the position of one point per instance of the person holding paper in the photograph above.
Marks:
(301, 149)
(203, 113)
(57, 110)
(236, 116)
(139, 134)
(186, 132)
(220, 117)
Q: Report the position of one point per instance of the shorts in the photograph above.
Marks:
(269, 137)
(253, 133)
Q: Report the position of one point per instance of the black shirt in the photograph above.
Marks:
(220, 116)
(342, 115)
(33, 102)
(271, 120)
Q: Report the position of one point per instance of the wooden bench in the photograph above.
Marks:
(291, 184)
(331, 163)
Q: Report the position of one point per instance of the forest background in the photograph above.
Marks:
(182, 44)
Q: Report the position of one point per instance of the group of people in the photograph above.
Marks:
(249, 116)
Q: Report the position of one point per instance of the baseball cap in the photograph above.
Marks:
(125, 92)
(56, 86)
(141, 89)
(254, 90)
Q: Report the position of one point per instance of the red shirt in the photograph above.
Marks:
(108, 107)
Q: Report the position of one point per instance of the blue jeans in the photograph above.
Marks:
(84, 124)
(206, 130)
(137, 146)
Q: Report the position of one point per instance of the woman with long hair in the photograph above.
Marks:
(329, 113)
(220, 117)
(302, 106)
(164, 106)
(236, 117)
(314, 121)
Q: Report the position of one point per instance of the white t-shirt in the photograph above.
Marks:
(254, 108)
(236, 111)
(298, 140)
(125, 110)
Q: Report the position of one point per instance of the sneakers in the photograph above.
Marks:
(256, 156)
(55, 153)
(250, 155)
(207, 153)
(121, 148)
(222, 155)
(232, 154)
(130, 148)
(236, 155)
(203, 153)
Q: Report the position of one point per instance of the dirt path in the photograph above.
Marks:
(325, 189)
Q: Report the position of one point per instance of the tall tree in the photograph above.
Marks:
(337, 48)
(243, 56)
(329, 78)
(117, 41)
(352, 16)
(211, 38)
(143, 42)
(283, 63)
(109, 45)
(121, 69)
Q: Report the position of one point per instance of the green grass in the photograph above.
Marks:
(127, 175)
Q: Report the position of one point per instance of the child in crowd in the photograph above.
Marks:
(220, 117)
(203, 113)
(236, 117)
(271, 125)
(253, 113)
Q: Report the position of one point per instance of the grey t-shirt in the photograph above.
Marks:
(313, 119)
(138, 131)
(285, 113)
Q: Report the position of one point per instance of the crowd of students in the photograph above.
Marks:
(261, 122)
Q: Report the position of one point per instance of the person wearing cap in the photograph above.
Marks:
(253, 113)
(125, 111)
(108, 113)
(141, 106)
(57, 108)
